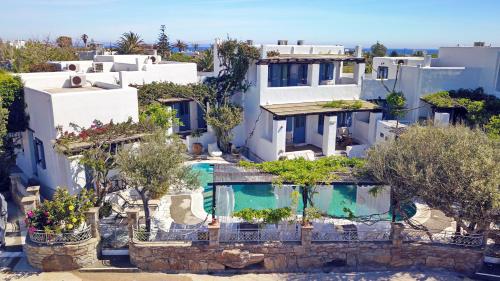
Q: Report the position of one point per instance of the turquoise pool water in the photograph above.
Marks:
(262, 196)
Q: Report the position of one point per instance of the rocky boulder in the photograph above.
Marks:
(237, 258)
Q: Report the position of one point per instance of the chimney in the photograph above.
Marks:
(282, 42)
(479, 44)
(250, 42)
(427, 60)
(300, 42)
(358, 52)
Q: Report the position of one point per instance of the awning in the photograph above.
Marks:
(310, 59)
(309, 108)
(172, 100)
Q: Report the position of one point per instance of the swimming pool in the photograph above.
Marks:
(261, 196)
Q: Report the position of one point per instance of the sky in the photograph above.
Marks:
(396, 24)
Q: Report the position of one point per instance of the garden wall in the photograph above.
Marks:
(61, 257)
(288, 257)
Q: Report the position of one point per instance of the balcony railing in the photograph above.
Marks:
(40, 237)
(443, 237)
(183, 235)
(260, 235)
(350, 236)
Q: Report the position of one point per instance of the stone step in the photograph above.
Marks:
(110, 269)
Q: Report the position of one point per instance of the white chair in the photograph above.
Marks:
(213, 150)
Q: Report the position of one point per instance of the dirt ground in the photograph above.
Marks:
(385, 275)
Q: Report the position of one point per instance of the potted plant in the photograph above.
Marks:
(197, 147)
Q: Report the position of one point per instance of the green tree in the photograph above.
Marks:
(378, 50)
(163, 45)
(205, 60)
(455, 170)
(493, 127)
(155, 167)
(130, 43)
(64, 42)
(396, 102)
(180, 45)
(84, 38)
(36, 53)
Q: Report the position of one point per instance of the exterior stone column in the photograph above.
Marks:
(29, 203)
(372, 126)
(34, 191)
(306, 235)
(213, 234)
(396, 230)
(329, 135)
(132, 220)
(279, 138)
(92, 216)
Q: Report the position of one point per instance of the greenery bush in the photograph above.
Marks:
(344, 104)
(455, 170)
(64, 213)
(271, 216)
(480, 106)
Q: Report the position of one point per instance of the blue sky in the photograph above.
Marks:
(397, 24)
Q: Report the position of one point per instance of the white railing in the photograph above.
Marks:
(443, 237)
(260, 235)
(41, 237)
(350, 236)
(171, 235)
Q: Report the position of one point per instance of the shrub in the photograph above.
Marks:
(63, 213)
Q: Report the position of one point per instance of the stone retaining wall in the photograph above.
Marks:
(61, 257)
(281, 257)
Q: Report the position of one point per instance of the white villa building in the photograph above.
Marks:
(93, 90)
(288, 110)
(285, 109)
(454, 68)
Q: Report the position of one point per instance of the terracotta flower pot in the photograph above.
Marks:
(197, 148)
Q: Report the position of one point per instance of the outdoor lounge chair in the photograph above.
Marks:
(213, 150)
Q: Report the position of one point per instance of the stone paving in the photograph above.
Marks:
(359, 276)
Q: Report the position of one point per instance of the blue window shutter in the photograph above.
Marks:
(330, 71)
(321, 72)
(321, 123)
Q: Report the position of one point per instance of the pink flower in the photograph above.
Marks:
(46, 213)
(31, 229)
(30, 214)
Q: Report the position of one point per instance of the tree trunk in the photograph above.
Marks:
(304, 202)
(145, 204)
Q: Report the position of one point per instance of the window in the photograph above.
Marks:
(344, 119)
(382, 72)
(325, 72)
(286, 75)
(321, 123)
(39, 153)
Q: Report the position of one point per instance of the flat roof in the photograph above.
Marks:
(305, 108)
(309, 58)
(73, 90)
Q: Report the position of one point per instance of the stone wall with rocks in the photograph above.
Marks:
(289, 257)
(61, 257)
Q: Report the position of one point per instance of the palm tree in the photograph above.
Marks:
(196, 46)
(205, 60)
(130, 43)
(180, 45)
(85, 37)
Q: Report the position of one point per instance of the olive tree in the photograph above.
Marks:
(154, 167)
(455, 170)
